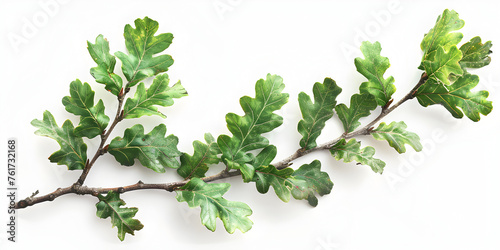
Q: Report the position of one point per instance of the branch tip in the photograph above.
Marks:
(387, 105)
(22, 204)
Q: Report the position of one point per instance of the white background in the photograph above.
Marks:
(445, 197)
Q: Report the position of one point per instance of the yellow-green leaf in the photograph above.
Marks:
(234, 214)
(352, 151)
(443, 34)
(396, 134)
(159, 93)
(73, 152)
(121, 217)
(373, 67)
(142, 45)
(457, 98)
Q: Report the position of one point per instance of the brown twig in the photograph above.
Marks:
(79, 189)
(104, 137)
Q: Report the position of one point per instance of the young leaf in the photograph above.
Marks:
(475, 54)
(233, 214)
(258, 119)
(197, 164)
(373, 67)
(73, 152)
(93, 121)
(457, 96)
(361, 105)
(158, 94)
(442, 35)
(396, 134)
(351, 151)
(154, 150)
(141, 45)
(103, 73)
(309, 179)
(443, 65)
(315, 115)
(121, 217)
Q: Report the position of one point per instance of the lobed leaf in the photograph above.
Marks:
(159, 93)
(258, 119)
(396, 134)
(457, 98)
(73, 152)
(308, 180)
(302, 183)
(154, 150)
(315, 115)
(475, 54)
(444, 64)
(142, 45)
(442, 35)
(234, 214)
(352, 151)
(267, 175)
(121, 217)
(93, 120)
(197, 164)
(361, 105)
(373, 67)
(103, 73)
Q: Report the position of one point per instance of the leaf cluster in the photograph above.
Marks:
(245, 150)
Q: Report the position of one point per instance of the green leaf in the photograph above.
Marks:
(265, 156)
(396, 134)
(475, 54)
(121, 217)
(73, 152)
(141, 45)
(103, 73)
(443, 65)
(197, 164)
(373, 67)
(93, 121)
(158, 94)
(308, 180)
(258, 119)
(154, 150)
(315, 115)
(233, 214)
(267, 175)
(302, 183)
(442, 35)
(457, 98)
(361, 105)
(351, 151)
